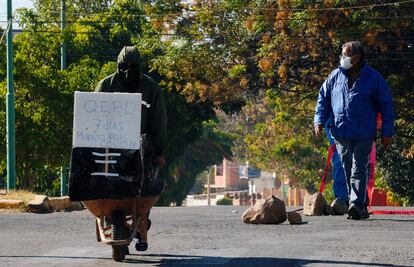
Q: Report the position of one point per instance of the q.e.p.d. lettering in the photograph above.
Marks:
(104, 106)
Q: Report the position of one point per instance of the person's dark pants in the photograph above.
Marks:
(339, 184)
(354, 156)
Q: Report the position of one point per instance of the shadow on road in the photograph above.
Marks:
(187, 260)
(56, 257)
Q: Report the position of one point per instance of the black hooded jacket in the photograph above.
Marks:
(130, 79)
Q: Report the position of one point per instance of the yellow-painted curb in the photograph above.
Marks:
(11, 203)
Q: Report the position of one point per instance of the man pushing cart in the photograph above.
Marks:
(118, 143)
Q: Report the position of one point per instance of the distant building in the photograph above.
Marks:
(263, 180)
(227, 177)
(245, 185)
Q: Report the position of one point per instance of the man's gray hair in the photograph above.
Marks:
(356, 48)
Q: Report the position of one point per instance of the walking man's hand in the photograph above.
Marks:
(318, 130)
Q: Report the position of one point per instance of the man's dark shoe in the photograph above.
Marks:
(354, 212)
(365, 214)
(339, 207)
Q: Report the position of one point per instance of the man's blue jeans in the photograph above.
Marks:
(355, 159)
(339, 181)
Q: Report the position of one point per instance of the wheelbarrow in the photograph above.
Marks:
(119, 220)
(121, 206)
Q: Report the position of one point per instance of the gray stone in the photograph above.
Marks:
(294, 217)
(269, 211)
(39, 204)
(313, 205)
(64, 204)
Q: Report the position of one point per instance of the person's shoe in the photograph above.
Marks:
(354, 212)
(140, 245)
(339, 207)
(365, 214)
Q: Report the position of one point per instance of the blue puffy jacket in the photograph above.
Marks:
(355, 109)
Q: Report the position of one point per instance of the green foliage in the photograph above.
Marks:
(398, 171)
(225, 201)
(193, 159)
(296, 50)
(199, 182)
(328, 193)
(94, 35)
(237, 70)
(47, 182)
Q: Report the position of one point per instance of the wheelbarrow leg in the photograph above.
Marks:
(118, 229)
(98, 235)
(142, 243)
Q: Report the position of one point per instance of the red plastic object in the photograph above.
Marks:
(379, 197)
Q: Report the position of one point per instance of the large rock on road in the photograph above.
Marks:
(269, 211)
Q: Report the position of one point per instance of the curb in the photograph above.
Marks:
(11, 204)
(42, 204)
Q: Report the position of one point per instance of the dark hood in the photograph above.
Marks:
(130, 55)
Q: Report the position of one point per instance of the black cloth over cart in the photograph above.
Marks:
(96, 173)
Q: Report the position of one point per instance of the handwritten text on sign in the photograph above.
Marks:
(110, 120)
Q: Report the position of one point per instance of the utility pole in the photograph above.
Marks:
(62, 27)
(63, 172)
(64, 181)
(10, 124)
(208, 186)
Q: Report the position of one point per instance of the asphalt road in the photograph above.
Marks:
(210, 236)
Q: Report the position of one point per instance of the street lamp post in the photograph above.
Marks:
(11, 143)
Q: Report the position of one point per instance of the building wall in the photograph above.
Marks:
(257, 185)
(227, 176)
(201, 200)
(231, 171)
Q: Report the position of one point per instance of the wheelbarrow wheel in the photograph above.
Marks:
(118, 228)
(118, 253)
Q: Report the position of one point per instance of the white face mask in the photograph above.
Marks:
(346, 62)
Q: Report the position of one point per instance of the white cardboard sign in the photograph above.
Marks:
(107, 120)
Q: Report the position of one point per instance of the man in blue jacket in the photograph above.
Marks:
(355, 92)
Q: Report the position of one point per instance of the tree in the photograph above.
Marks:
(256, 64)
(298, 48)
(44, 94)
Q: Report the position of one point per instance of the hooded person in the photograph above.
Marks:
(129, 78)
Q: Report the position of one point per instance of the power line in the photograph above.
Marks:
(398, 3)
(80, 21)
(336, 8)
